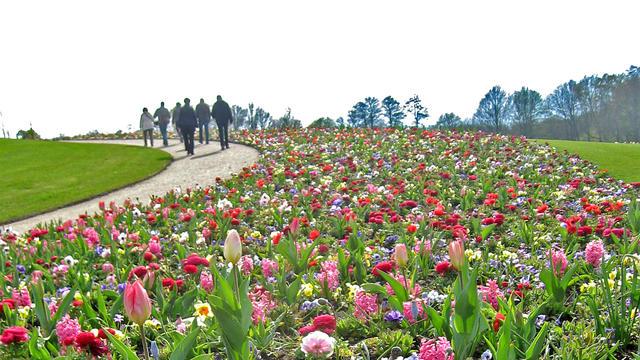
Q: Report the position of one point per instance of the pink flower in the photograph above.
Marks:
(436, 349)
(91, 237)
(411, 307)
(206, 281)
(318, 344)
(422, 247)
(558, 261)
(21, 297)
(246, 265)
(66, 330)
(262, 303)
(366, 304)
(137, 304)
(594, 253)
(268, 267)
(491, 293)
(330, 275)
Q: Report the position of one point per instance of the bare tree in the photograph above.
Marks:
(493, 110)
(564, 104)
(528, 107)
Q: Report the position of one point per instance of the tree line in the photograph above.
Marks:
(595, 108)
(255, 118)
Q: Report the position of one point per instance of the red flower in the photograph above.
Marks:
(14, 334)
(412, 228)
(102, 335)
(385, 266)
(323, 248)
(314, 234)
(443, 267)
(190, 269)
(168, 283)
(86, 340)
(139, 271)
(9, 302)
(325, 323)
(306, 329)
(497, 322)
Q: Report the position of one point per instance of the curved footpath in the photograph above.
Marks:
(208, 163)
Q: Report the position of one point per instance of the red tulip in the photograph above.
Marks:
(137, 304)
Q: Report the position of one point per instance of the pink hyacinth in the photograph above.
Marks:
(66, 330)
(491, 293)
(409, 307)
(422, 247)
(246, 265)
(262, 303)
(330, 275)
(436, 349)
(366, 304)
(558, 261)
(206, 281)
(594, 253)
(269, 267)
(21, 297)
(91, 237)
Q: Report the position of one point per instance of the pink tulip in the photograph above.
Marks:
(401, 255)
(232, 247)
(456, 253)
(137, 304)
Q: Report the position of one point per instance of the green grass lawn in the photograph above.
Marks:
(621, 160)
(36, 176)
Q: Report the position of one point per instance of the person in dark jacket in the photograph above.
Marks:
(203, 112)
(175, 116)
(187, 124)
(221, 112)
(164, 118)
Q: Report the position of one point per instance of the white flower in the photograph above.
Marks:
(69, 260)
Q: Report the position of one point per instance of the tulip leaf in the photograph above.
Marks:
(185, 346)
(534, 350)
(121, 348)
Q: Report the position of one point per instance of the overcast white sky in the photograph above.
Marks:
(74, 66)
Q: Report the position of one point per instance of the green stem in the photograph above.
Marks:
(144, 342)
(235, 283)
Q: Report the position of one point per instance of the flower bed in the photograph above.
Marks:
(341, 243)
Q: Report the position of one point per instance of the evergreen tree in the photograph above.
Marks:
(392, 110)
(414, 107)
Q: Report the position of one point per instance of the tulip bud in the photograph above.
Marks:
(456, 254)
(137, 304)
(400, 254)
(232, 247)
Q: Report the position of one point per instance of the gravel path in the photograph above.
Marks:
(208, 163)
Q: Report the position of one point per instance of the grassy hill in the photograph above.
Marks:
(37, 176)
(621, 160)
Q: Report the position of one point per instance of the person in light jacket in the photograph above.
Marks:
(203, 112)
(146, 125)
(164, 117)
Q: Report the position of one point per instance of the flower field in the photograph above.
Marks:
(343, 244)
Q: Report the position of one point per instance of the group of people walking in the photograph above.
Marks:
(185, 120)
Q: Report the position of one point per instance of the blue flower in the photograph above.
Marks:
(394, 316)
